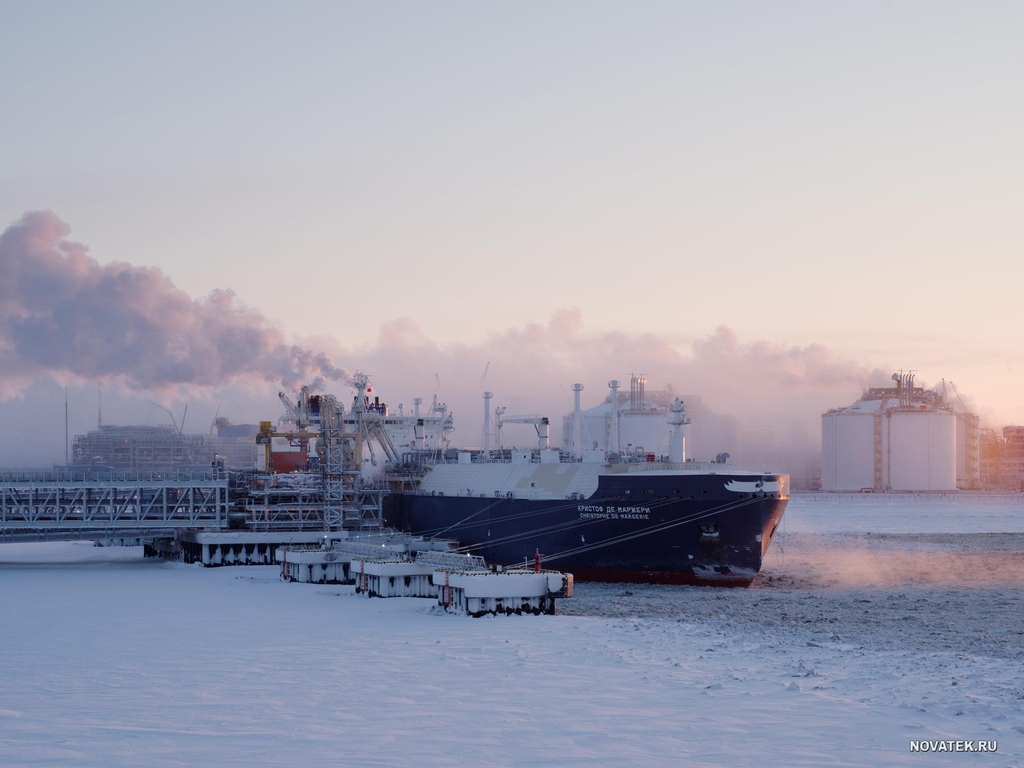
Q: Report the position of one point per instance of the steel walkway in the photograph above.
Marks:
(54, 505)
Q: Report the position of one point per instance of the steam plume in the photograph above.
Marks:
(62, 313)
(745, 378)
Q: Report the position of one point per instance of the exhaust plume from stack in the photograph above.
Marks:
(64, 314)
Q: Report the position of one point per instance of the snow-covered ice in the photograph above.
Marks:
(874, 622)
(905, 513)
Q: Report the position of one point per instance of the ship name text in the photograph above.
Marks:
(602, 512)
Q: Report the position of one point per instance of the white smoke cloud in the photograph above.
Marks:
(531, 363)
(64, 315)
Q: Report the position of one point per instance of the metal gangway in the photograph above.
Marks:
(97, 503)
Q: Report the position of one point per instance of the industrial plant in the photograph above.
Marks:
(321, 467)
(323, 475)
(1001, 461)
(155, 449)
(907, 438)
(295, 494)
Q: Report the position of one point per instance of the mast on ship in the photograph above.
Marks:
(613, 437)
(485, 440)
(677, 443)
(577, 418)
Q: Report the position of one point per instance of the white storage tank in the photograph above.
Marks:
(922, 450)
(847, 450)
(893, 439)
(709, 433)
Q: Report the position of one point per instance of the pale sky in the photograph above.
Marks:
(846, 174)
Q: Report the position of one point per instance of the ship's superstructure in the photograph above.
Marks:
(642, 426)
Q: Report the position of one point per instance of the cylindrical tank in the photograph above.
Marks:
(961, 451)
(649, 430)
(847, 450)
(921, 450)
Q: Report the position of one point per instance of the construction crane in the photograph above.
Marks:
(290, 409)
(959, 397)
(170, 413)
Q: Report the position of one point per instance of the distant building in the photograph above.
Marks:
(156, 449)
(1002, 459)
(900, 438)
(1011, 465)
(990, 454)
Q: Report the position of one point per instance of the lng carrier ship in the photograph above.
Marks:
(609, 512)
(603, 515)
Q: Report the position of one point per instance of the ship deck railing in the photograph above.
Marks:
(705, 467)
(452, 560)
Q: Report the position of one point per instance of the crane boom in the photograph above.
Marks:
(540, 423)
(290, 409)
(959, 397)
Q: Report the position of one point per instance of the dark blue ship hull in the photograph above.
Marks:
(637, 527)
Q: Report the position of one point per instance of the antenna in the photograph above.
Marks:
(67, 439)
(482, 378)
(181, 429)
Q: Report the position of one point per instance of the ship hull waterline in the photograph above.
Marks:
(698, 535)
